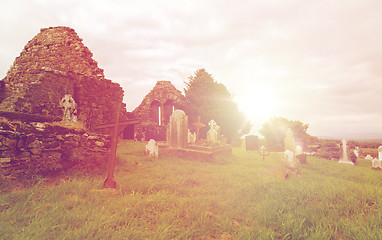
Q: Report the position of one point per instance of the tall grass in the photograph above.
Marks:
(231, 197)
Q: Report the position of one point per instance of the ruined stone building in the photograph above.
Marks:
(53, 64)
(155, 110)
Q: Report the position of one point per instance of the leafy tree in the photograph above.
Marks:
(274, 130)
(211, 100)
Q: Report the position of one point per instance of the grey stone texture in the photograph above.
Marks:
(55, 63)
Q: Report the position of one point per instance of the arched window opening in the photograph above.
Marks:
(168, 109)
(155, 112)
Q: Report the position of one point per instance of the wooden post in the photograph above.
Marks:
(114, 126)
(110, 182)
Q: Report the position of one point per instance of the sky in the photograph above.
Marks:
(318, 62)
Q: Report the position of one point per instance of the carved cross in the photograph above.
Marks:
(198, 125)
(110, 182)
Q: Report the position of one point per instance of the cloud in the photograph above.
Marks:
(319, 59)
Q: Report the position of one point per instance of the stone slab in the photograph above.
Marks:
(198, 152)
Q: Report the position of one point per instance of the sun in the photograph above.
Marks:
(258, 105)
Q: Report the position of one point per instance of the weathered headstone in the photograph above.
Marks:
(191, 137)
(356, 152)
(376, 163)
(289, 142)
(213, 133)
(152, 149)
(289, 162)
(177, 133)
(345, 156)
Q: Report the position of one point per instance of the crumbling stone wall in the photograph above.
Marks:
(55, 63)
(164, 97)
(45, 148)
(163, 92)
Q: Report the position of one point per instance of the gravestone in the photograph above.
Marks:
(289, 162)
(376, 163)
(152, 149)
(213, 133)
(290, 165)
(177, 132)
(191, 137)
(251, 142)
(289, 142)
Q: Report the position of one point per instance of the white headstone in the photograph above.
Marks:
(380, 152)
(191, 137)
(152, 149)
(212, 134)
(290, 164)
(356, 151)
(177, 132)
(376, 164)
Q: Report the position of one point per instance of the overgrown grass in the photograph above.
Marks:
(238, 197)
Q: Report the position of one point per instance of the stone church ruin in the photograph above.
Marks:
(54, 79)
(53, 64)
(155, 111)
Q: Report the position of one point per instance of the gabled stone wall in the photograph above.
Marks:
(160, 101)
(162, 93)
(55, 63)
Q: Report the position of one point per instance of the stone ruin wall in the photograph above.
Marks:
(54, 63)
(162, 93)
(96, 99)
(28, 149)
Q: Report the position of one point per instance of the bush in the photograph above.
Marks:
(329, 151)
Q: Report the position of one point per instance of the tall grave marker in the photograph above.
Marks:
(115, 128)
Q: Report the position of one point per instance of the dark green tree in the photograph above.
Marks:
(274, 130)
(211, 100)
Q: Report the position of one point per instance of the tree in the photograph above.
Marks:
(211, 100)
(274, 130)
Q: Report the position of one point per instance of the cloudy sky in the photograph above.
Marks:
(319, 62)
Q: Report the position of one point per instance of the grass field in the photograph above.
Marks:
(231, 197)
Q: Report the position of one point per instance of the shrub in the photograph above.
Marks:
(329, 151)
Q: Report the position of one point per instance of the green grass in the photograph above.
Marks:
(238, 197)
